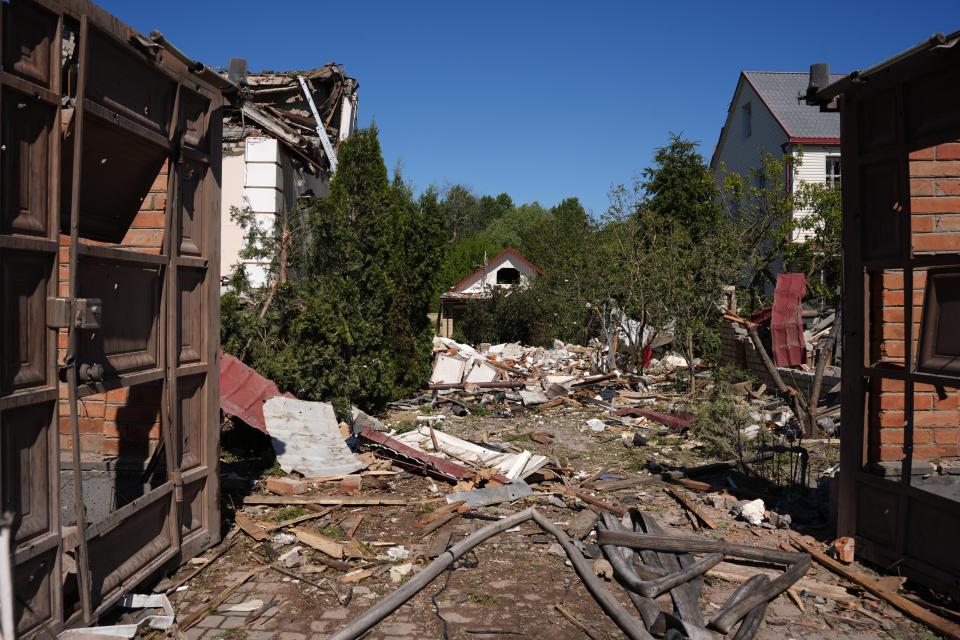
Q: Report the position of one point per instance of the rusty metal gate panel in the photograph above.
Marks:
(96, 122)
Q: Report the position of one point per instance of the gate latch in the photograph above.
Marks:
(84, 313)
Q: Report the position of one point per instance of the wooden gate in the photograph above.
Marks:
(103, 131)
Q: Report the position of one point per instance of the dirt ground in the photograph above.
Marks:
(509, 586)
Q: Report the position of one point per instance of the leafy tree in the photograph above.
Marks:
(820, 254)
(766, 214)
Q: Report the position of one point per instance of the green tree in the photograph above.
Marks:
(680, 185)
(352, 326)
(767, 216)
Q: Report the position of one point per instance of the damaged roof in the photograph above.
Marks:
(273, 103)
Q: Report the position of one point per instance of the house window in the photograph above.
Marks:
(833, 171)
(508, 275)
(747, 120)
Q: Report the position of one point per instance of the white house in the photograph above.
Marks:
(505, 270)
(768, 114)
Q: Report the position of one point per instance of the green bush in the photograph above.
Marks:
(718, 420)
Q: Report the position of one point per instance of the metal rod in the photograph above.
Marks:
(73, 332)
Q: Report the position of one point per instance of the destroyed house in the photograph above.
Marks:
(276, 151)
(505, 270)
(109, 253)
(899, 491)
(765, 116)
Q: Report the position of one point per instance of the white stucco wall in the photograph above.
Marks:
(231, 195)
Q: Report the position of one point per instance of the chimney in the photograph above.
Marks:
(819, 78)
(238, 71)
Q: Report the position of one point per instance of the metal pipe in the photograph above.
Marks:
(831, 91)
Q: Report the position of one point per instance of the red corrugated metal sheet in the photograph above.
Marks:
(243, 391)
(786, 323)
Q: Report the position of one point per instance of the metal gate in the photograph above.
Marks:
(92, 117)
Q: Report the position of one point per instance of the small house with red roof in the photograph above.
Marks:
(505, 270)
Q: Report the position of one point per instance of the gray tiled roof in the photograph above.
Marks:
(779, 90)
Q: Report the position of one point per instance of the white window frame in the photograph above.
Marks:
(832, 171)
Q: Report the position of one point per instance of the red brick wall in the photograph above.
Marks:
(123, 422)
(935, 211)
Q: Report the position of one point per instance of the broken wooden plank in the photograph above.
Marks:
(942, 626)
(351, 523)
(440, 542)
(439, 522)
(320, 542)
(596, 502)
(348, 501)
(796, 599)
(298, 520)
(427, 518)
(250, 527)
(691, 507)
(625, 483)
(582, 524)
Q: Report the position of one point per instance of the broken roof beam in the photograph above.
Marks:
(321, 131)
(294, 141)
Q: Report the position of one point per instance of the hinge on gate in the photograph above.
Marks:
(84, 313)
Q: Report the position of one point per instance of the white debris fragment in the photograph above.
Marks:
(751, 432)
(751, 511)
(291, 558)
(283, 539)
(242, 607)
(596, 425)
(398, 553)
(400, 571)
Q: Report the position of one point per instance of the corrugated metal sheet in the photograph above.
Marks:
(786, 323)
(243, 391)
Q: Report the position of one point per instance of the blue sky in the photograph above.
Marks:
(542, 100)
